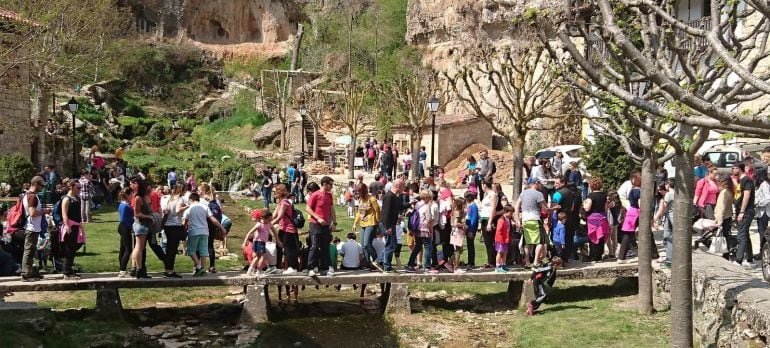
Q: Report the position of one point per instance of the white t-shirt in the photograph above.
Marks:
(34, 224)
(623, 191)
(379, 245)
(351, 253)
(399, 232)
(443, 208)
(485, 210)
(197, 216)
(434, 212)
(270, 255)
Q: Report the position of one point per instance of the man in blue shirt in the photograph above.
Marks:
(291, 171)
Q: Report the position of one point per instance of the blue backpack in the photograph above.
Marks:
(56, 213)
(414, 219)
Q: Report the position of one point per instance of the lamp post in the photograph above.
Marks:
(433, 104)
(303, 113)
(73, 106)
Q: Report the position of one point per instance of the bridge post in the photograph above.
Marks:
(256, 306)
(108, 303)
(514, 292)
(398, 299)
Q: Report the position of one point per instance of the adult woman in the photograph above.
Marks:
(191, 181)
(368, 218)
(71, 235)
(546, 177)
(126, 220)
(287, 232)
(424, 236)
(491, 209)
(596, 206)
(208, 197)
(406, 160)
(723, 210)
(173, 228)
(631, 222)
(142, 221)
(706, 193)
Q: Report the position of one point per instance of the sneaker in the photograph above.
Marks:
(662, 259)
(171, 275)
(620, 262)
(530, 309)
(449, 267)
(505, 268)
(499, 270)
(432, 271)
(123, 274)
(72, 276)
(747, 265)
(30, 278)
(378, 266)
(290, 271)
(271, 270)
(488, 266)
(470, 267)
(409, 269)
(199, 272)
(330, 272)
(132, 273)
(459, 270)
(312, 272)
(735, 263)
(250, 273)
(390, 270)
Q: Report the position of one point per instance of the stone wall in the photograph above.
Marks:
(16, 126)
(731, 307)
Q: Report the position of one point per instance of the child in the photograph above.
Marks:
(472, 223)
(503, 238)
(333, 252)
(399, 241)
(248, 241)
(458, 231)
(43, 250)
(261, 231)
(615, 219)
(352, 253)
(349, 201)
(379, 244)
(542, 280)
(559, 239)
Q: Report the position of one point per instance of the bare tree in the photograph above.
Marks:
(409, 93)
(521, 86)
(691, 66)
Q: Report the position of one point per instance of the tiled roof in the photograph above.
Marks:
(444, 120)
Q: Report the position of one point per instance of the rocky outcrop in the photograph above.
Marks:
(227, 28)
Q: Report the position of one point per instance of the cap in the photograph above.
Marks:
(256, 214)
(37, 180)
(533, 181)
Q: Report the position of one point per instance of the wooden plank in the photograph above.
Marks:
(110, 280)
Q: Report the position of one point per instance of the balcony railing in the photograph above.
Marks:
(689, 42)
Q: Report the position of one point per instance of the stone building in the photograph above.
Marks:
(454, 133)
(24, 109)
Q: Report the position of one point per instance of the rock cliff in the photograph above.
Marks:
(228, 28)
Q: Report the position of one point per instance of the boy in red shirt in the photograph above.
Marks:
(503, 238)
(320, 207)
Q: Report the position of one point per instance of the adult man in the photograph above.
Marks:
(32, 228)
(352, 253)
(568, 201)
(292, 173)
(392, 205)
(557, 162)
(701, 169)
(86, 194)
(171, 178)
(423, 157)
(487, 168)
(196, 219)
(320, 207)
(376, 186)
(744, 209)
(51, 180)
(527, 215)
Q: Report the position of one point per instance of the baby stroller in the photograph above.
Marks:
(708, 229)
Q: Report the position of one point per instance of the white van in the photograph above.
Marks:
(724, 156)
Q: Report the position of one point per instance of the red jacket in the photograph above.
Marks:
(503, 232)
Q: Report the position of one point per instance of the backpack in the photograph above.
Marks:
(297, 219)
(414, 219)
(216, 210)
(56, 213)
(17, 215)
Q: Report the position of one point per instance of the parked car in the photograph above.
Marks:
(571, 153)
(724, 156)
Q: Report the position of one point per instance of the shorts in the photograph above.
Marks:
(198, 244)
(259, 247)
(501, 247)
(397, 252)
(531, 232)
(140, 230)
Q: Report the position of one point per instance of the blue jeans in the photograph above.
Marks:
(421, 243)
(266, 195)
(367, 236)
(390, 248)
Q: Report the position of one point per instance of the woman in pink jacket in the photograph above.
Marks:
(706, 193)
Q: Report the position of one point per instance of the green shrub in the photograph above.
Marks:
(89, 113)
(606, 159)
(15, 170)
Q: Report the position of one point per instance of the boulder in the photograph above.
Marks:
(267, 134)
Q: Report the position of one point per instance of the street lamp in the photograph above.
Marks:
(433, 104)
(303, 113)
(73, 106)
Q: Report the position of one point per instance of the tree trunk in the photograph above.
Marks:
(681, 270)
(315, 141)
(416, 141)
(646, 205)
(517, 150)
(352, 157)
